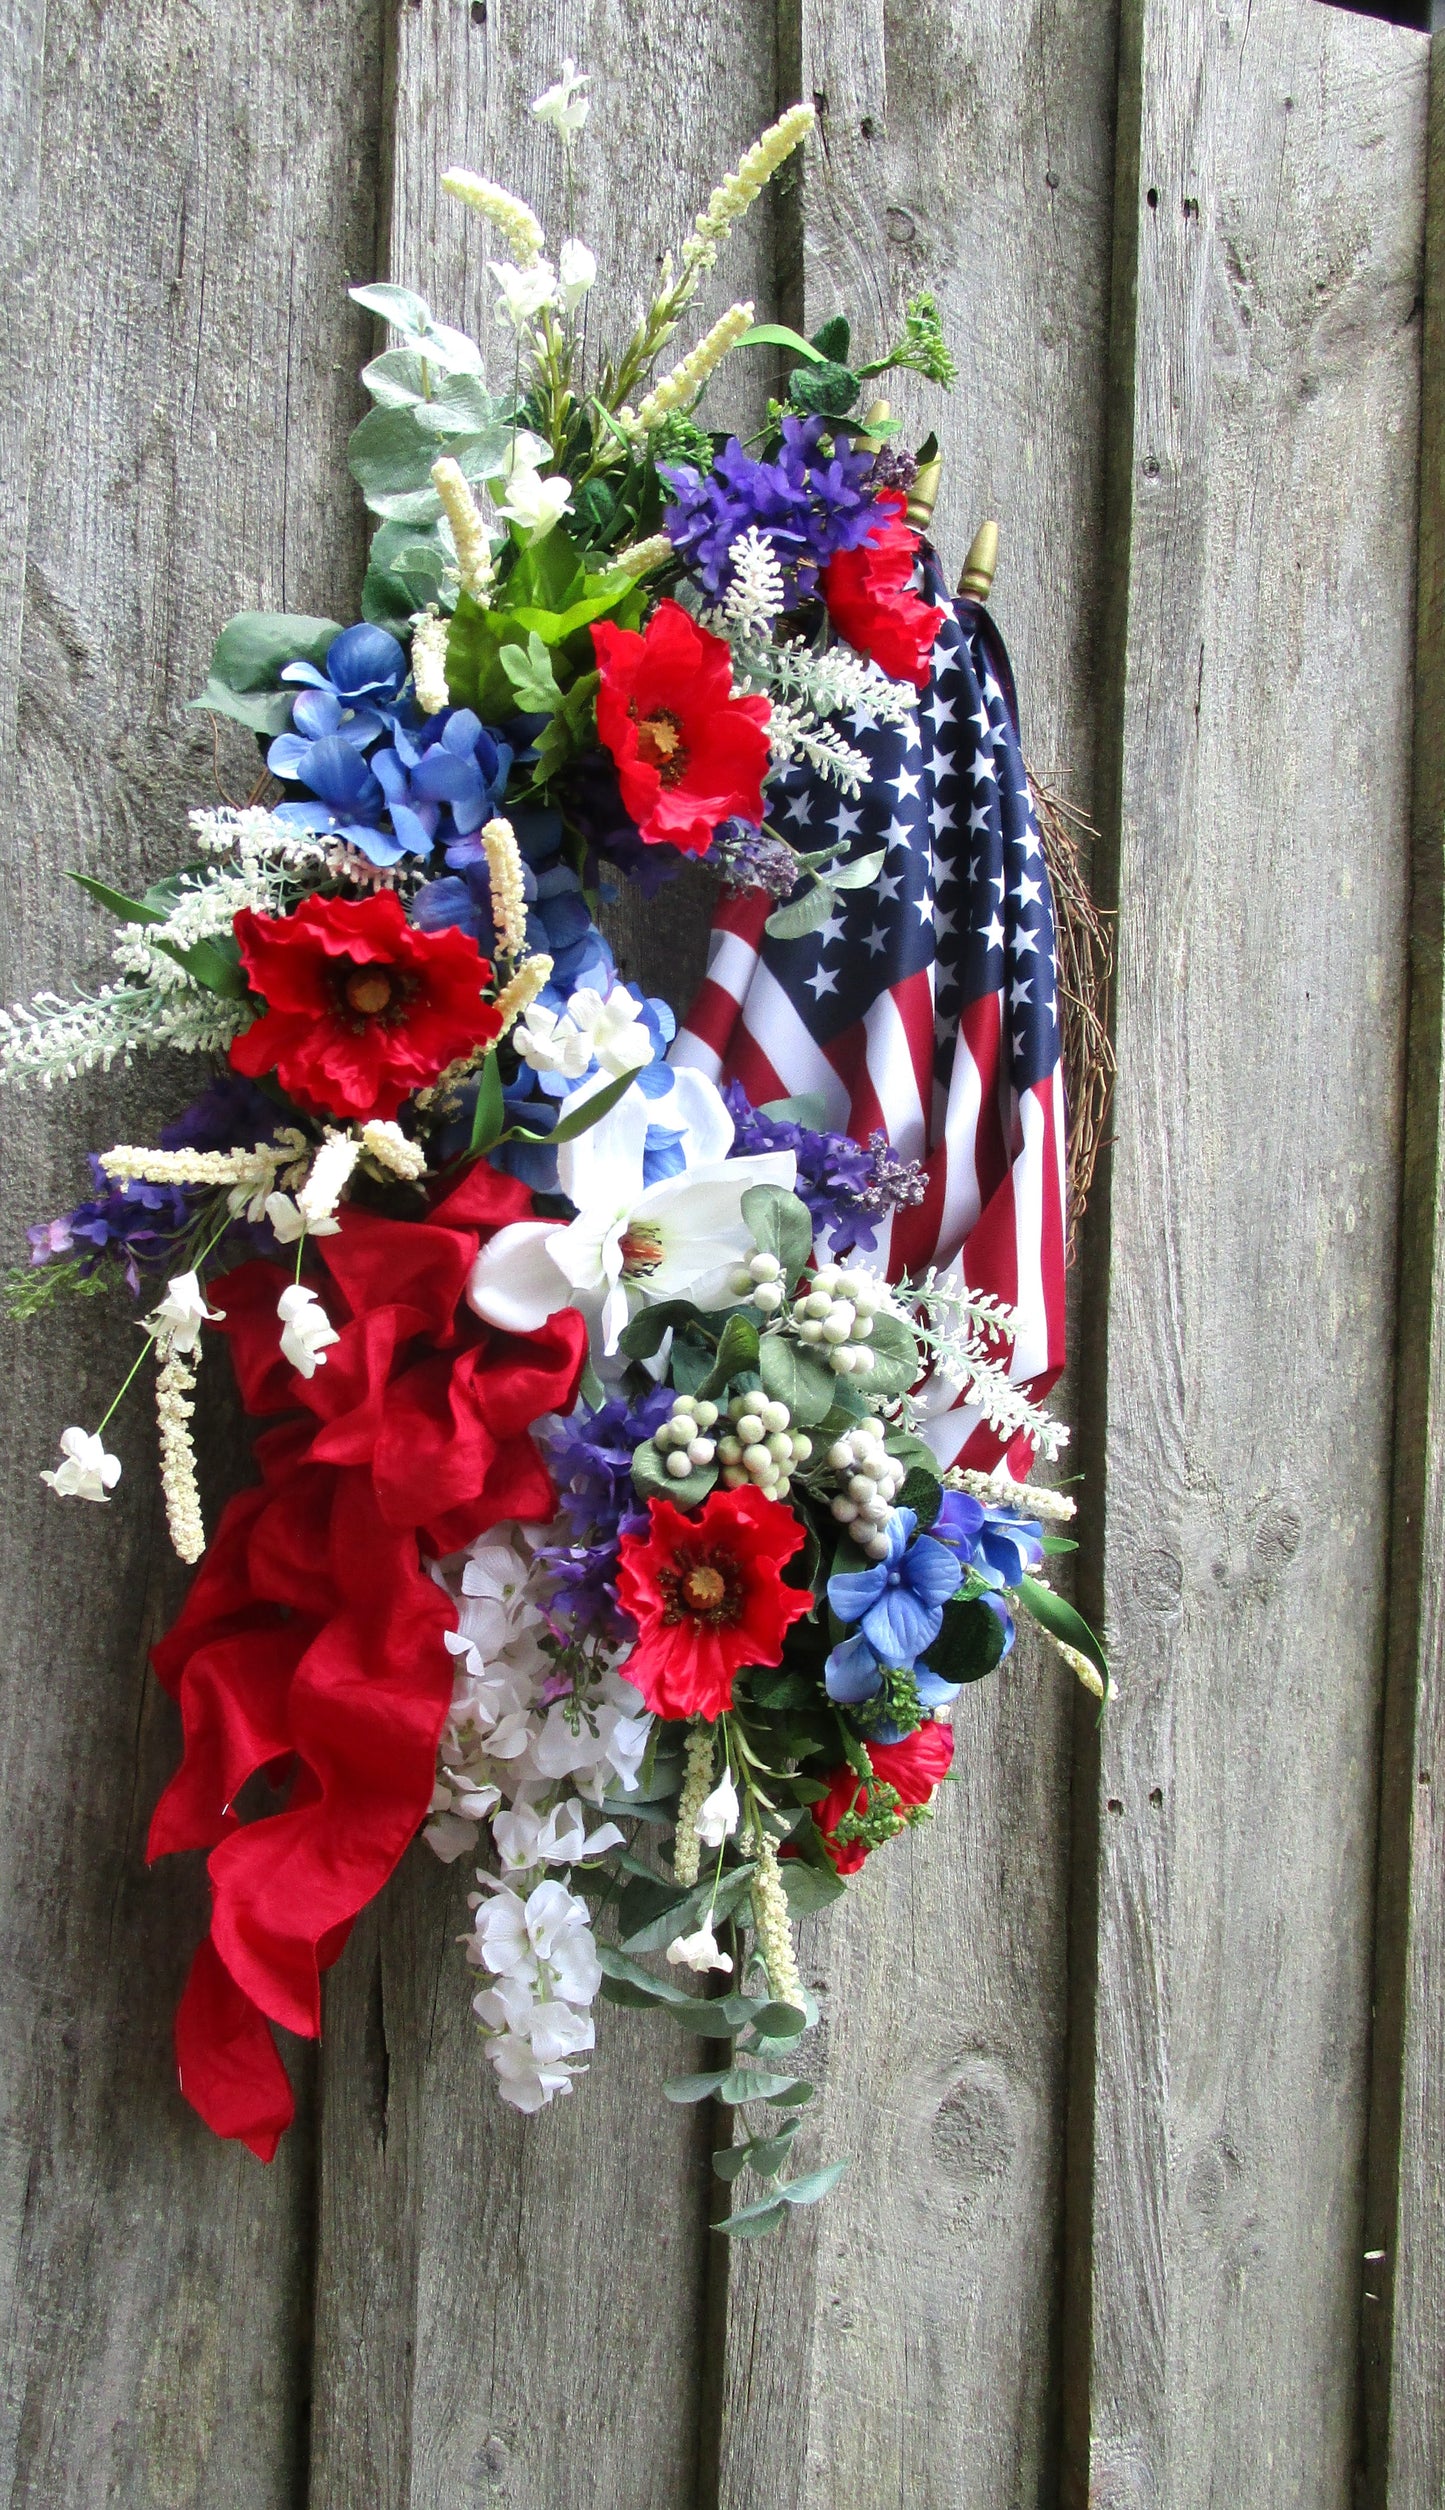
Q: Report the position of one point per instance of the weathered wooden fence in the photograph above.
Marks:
(1148, 2203)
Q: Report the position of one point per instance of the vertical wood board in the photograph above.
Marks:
(178, 381)
(902, 2343)
(1267, 270)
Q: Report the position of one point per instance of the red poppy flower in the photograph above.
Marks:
(871, 600)
(689, 754)
(707, 1597)
(912, 1768)
(361, 1007)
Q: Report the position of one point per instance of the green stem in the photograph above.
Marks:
(131, 1374)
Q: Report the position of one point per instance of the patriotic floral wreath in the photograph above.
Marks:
(595, 1528)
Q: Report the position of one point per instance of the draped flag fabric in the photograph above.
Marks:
(926, 1006)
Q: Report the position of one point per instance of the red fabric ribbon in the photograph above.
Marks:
(312, 1641)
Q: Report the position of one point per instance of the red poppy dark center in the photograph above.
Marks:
(373, 991)
(708, 1589)
(369, 990)
(660, 745)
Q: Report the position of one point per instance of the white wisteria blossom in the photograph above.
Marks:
(522, 294)
(564, 105)
(87, 1472)
(177, 1321)
(307, 1330)
(717, 1815)
(699, 1951)
(542, 1955)
(576, 273)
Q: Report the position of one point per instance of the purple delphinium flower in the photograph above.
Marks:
(846, 1188)
(809, 505)
(747, 858)
(590, 1457)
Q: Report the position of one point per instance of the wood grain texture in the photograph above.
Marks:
(902, 2343)
(1403, 2305)
(509, 2309)
(1267, 272)
(179, 357)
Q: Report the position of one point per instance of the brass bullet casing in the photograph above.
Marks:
(874, 416)
(924, 496)
(981, 564)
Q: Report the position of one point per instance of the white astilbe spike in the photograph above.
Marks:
(512, 218)
(520, 992)
(680, 389)
(475, 568)
(174, 1381)
(738, 190)
(757, 592)
(429, 662)
(507, 878)
(796, 737)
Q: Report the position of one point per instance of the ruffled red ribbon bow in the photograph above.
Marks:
(313, 1637)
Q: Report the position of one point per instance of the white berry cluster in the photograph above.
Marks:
(837, 1312)
(761, 1445)
(762, 1282)
(684, 1439)
(872, 1479)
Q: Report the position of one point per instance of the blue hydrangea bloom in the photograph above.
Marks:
(364, 664)
(899, 1600)
(999, 1546)
(347, 802)
(809, 505)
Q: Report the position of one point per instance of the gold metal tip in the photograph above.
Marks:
(925, 494)
(874, 416)
(981, 564)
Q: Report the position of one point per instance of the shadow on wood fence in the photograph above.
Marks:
(1141, 2053)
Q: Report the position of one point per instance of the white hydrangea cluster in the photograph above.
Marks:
(527, 1765)
(761, 1445)
(596, 1032)
(836, 1314)
(871, 1479)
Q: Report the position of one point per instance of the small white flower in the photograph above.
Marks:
(88, 1472)
(522, 294)
(535, 504)
(564, 105)
(288, 1223)
(717, 1815)
(576, 273)
(699, 1951)
(614, 1027)
(523, 2083)
(176, 1323)
(307, 1330)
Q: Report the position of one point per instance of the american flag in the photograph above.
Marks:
(926, 1006)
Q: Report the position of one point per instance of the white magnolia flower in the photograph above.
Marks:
(288, 1222)
(535, 504)
(576, 273)
(307, 1330)
(564, 105)
(717, 1815)
(699, 1951)
(632, 1242)
(176, 1323)
(87, 1472)
(522, 294)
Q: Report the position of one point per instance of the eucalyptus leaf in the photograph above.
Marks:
(810, 1109)
(861, 872)
(687, 2089)
(617, 1966)
(254, 647)
(754, 2221)
(809, 1887)
(736, 1351)
(895, 1356)
(652, 1479)
(795, 1377)
(801, 915)
(781, 1224)
(745, 2083)
(779, 2021)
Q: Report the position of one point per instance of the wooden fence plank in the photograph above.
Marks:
(900, 2344)
(179, 361)
(505, 2306)
(1266, 268)
(1403, 2313)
